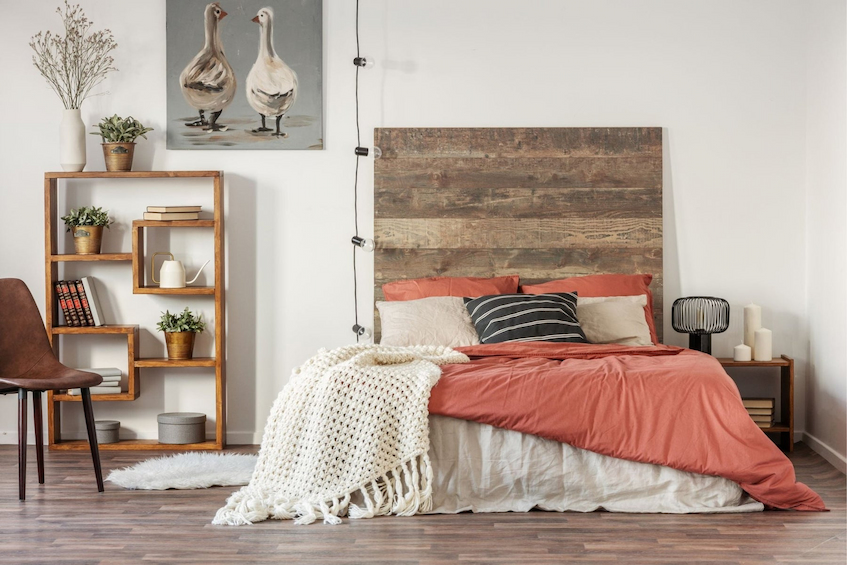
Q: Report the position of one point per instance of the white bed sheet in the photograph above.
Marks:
(486, 469)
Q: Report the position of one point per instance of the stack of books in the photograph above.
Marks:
(78, 302)
(111, 381)
(761, 410)
(170, 213)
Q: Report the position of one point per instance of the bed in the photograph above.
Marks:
(519, 313)
(546, 204)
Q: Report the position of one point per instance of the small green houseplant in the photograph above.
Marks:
(180, 330)
(87, 225)
(119, 135)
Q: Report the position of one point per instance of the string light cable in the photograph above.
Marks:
(358, 241)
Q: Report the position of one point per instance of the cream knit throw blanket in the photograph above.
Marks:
(351, 420)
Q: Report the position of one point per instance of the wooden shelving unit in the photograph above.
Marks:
(52, 262)
(784, 429)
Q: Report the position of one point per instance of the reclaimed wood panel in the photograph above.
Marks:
(547, 172)
(485, 202)
(411, 143)
(543, 203)
(523, 233)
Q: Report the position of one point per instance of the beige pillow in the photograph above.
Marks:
(437, 320)
(614, 319)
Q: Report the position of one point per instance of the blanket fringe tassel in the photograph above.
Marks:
(403, 491)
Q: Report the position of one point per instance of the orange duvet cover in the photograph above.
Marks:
(661, 404)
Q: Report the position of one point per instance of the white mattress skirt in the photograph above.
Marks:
(486, 469)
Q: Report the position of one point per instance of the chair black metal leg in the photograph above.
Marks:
(22, 444)
(92, 436)
(39, 434)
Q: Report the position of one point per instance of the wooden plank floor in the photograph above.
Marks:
(67, 521)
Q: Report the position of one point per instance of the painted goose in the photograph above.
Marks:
(271, 84)
(208, 83)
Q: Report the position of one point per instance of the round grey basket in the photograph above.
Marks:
(108, 431)
(182, 427)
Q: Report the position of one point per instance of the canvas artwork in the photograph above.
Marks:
(244, 74)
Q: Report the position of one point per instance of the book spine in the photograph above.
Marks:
(83, 299)
(60, 298)
(77, 303)
(93, 302)
(72, 320)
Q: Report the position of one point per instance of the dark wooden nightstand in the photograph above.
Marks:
(783, 430)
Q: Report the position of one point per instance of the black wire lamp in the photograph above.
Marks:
(700, 317)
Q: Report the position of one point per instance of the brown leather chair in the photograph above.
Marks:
(27, 363)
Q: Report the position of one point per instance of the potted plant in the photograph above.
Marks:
(73, 64)
(180, 331)
(119, 135)
(87, 224)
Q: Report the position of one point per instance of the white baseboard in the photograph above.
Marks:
(232, 438)
(834, 458)
(11, 438)
(243, 438)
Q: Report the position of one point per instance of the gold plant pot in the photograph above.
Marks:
(180, 344)
(87, 239)
(118, 156)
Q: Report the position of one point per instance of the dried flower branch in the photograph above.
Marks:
(77, 62)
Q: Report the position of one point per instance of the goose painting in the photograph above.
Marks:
(271, 84)
(244, 74)
(208, 82)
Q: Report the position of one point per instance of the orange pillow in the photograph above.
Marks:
(414, 289)
(603, 285)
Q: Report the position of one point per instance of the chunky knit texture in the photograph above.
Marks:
(350, 420)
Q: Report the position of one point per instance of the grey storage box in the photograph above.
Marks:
(182, 427)
(107, 431)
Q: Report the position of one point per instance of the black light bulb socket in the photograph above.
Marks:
(366, 244)
(360, 61)
(359, 330)
(365, 151)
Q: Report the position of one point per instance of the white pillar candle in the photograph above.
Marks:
(763, 350)
(752, 322)
(742, 353)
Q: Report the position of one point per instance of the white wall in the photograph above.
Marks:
(726, 80)
(826, 216)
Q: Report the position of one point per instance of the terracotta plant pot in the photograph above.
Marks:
(118, 156)
(87, 239)
(180, 344)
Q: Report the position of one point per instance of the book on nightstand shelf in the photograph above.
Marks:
(758, 402)
(760, 410)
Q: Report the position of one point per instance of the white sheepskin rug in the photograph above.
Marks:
(187, 471)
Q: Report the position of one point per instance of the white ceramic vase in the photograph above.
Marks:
(72, 141)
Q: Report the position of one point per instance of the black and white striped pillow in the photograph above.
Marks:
(526, 317)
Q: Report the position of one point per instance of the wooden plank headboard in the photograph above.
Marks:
(545, 203)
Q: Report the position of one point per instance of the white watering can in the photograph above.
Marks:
(172, 274)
